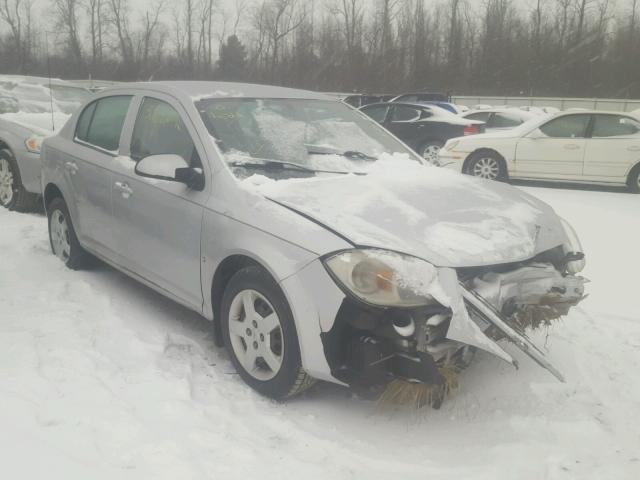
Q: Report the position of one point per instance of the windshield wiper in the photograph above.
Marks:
(282, 165)
(350, 154)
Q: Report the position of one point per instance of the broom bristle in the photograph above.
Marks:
(416, 395)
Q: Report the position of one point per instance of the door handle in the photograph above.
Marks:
(123, 188)
(571, 146)
(634, 148)
(71, 167)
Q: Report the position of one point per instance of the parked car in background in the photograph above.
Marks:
(39, 95)
(25, 120)
(426, 98)
(499, 118)
(239, 202)
(425, 128)
(575, 146)
(359, 100)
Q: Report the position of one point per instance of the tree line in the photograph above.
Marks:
(492, 47)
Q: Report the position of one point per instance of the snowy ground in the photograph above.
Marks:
(101, 378)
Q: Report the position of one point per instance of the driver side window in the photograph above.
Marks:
(159, 130)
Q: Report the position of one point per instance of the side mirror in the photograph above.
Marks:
(171, 168)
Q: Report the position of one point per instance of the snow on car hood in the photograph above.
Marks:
(448, 219)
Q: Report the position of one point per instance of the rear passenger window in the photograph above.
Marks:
(82, 128)
(614, 126)
(505, 120)
(404, 114)
(480, 116)
(100, 124)
(377, 113)
(567, 126)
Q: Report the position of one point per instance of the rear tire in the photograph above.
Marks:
(63, 239)
(260, 335)
(13, 196)
(633, 182)
(487, 165)
(430, 151)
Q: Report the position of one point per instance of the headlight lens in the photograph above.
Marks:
(383, 278)
(572, 246)
(33, 143)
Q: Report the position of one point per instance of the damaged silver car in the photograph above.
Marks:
(319, 245)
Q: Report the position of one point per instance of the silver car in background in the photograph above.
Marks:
(31, 108)
(321, 246)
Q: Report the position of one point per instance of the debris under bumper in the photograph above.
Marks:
(473, 310)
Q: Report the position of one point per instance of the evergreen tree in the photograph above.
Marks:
(232, 65)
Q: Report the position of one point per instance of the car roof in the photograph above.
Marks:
(424, 106)
(199, 90)
(524, 113)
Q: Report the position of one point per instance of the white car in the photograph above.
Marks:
(585, 147)
(500, 118)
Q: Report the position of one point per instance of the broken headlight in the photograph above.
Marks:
(572, 249)
(383, 278)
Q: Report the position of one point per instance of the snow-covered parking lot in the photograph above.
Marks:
(101, 378)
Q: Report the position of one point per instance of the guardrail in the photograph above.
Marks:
(612, 104)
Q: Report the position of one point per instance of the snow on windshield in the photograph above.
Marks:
(316, 134)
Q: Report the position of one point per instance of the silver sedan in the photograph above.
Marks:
(320, 246)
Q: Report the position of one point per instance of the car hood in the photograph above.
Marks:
(446, 218)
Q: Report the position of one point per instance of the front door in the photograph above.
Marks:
(613, 148)
(159, 222)
(555, 150)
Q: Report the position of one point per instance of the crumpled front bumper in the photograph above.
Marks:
(480, 308)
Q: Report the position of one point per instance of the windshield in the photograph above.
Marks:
(317, 135)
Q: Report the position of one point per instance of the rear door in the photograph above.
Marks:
(159, 222)
(613, 148)
(403, 122)
(89, 170)
(556, 150)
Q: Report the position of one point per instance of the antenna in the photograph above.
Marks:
(46, 41)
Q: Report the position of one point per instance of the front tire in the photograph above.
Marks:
(13, 196)
(487, 165)
(633, 182)
(62, 237)
(260, 335)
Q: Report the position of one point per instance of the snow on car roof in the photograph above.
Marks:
(204, 90)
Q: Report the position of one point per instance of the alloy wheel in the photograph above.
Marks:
(256, 335)
(60, 235)
(486, 167)
(430, 153)
(6, 182)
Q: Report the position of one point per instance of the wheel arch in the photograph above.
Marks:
(432, 138)
(632, 171)
(50, 192)
(223, 273)
(470, 157)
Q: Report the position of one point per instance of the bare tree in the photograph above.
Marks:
(95, 10)
(66, 14)
(17, 15)
(119, 14)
